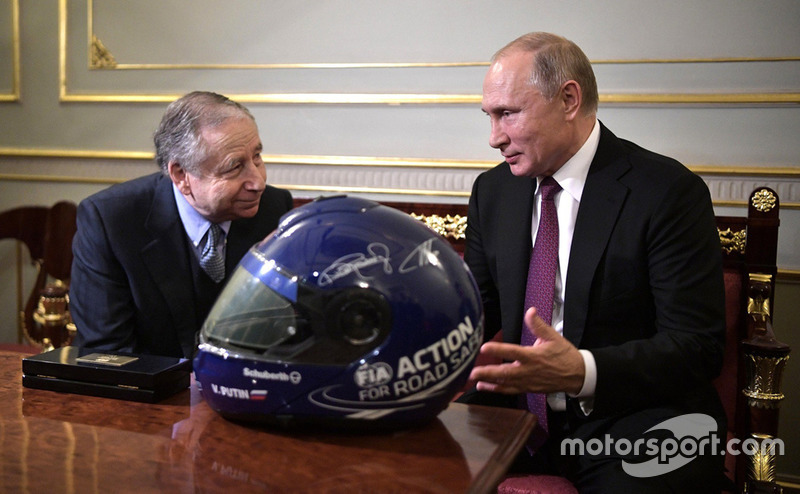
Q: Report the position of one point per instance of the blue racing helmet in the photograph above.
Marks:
(351, 313)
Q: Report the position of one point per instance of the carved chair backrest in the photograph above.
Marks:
(47, 233)
(750, 382)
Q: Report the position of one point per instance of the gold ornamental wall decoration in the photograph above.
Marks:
(101, 57)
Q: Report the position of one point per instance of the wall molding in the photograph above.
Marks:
(788, 276)
(463, 193)
(14, 95)
(729, 185)
(373, 161)
(100, 58)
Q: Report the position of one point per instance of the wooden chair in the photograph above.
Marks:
(47, 233)
(750, 381)
(448, 220)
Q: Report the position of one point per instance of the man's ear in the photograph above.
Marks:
(571, 97)
(179, 177)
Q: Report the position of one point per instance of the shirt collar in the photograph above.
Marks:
(194, 223)
(572, 176)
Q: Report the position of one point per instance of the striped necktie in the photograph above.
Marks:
(210, 259)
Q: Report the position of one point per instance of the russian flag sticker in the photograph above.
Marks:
(258, 394)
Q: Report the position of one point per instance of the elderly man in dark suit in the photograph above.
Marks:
(152, 254)
(628, 330)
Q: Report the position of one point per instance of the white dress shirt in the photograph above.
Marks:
(571, 177)
(196, 226)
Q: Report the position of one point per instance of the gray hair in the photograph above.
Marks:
(556, 61)
(179, 135)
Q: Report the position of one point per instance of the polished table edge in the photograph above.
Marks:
(496, 467)
(517, 425)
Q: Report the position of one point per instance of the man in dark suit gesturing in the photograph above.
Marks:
(632, 328)
(152, 254)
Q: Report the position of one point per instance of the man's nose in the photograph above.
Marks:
(497, 136)
(256, 176)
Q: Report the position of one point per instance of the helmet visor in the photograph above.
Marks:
(250, 316)
(266, 312)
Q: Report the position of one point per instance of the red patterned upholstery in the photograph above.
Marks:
(536, 484)
(729, 381)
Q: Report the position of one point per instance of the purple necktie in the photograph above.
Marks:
(541, 288)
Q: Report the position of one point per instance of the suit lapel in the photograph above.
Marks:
(165, 256)
(602, 199)
(240, 238)
(513, 227)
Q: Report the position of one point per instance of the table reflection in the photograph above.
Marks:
(54, 442)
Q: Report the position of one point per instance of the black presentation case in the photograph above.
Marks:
(124, 376)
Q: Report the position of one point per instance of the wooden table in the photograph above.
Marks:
(54, 442)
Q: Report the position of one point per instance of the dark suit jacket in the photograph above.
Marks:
(644, 287)
(131, 284)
